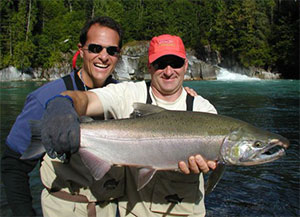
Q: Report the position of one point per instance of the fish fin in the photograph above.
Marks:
(144, 177)
(36, 148)
(96, 166)
(214, 177)
(141, 109)
(86, 119)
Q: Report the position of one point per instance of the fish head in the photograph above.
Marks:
(249, 145)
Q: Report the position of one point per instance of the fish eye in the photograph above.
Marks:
(257, 144)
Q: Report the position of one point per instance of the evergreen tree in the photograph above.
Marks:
(182, 21)
(132, 21)
(24, 19)
(285, 38)
(263, 33)
(113, 9)
(6, 36)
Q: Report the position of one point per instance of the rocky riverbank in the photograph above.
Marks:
(133, 66)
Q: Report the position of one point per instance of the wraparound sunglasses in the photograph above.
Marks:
(169, 60)
(97, 48)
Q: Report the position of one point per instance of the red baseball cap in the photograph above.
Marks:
(165, 45)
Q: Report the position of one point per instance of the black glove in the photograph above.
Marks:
(60, 128)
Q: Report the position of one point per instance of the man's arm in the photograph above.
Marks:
(15, 177)
(14, 171)
(85, 102)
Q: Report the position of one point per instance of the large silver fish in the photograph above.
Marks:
(157, 139)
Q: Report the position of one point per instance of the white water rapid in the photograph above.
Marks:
(226, 75)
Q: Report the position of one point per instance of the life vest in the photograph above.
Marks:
(68, 82)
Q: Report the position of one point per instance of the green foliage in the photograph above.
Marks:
(153, 19)
(24, 51)
(285, 38)
(182, 21)
(263, 33)
(243, 31)
(111, 8)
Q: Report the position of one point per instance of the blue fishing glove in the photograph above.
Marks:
(60, 128)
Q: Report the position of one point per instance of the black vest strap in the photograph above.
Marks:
(189, 102)
(68, 82)
(189, 98)
(149, 100)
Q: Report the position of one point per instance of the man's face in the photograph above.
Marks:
(167, 74)
(99, 64)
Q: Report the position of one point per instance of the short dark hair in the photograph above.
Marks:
(102, 21)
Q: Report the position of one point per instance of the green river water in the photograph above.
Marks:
(271, 189)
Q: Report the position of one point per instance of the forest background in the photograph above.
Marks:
(259, 33)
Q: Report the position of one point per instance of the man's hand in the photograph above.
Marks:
(60, 128)
(196, 165)
(191, 91)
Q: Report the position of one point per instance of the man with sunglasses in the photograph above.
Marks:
(168, 193)
(100, 43)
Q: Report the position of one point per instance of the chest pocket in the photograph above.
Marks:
(177, 194)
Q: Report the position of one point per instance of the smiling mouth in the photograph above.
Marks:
(101, 66)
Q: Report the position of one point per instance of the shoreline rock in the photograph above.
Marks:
(132, 65)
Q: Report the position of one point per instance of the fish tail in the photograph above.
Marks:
(36, 148)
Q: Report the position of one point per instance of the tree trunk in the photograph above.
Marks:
(70, 5)
(28, 20)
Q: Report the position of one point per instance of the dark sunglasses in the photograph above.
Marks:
(97, 48)
(173, 61)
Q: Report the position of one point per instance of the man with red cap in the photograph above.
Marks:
(168, 192)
